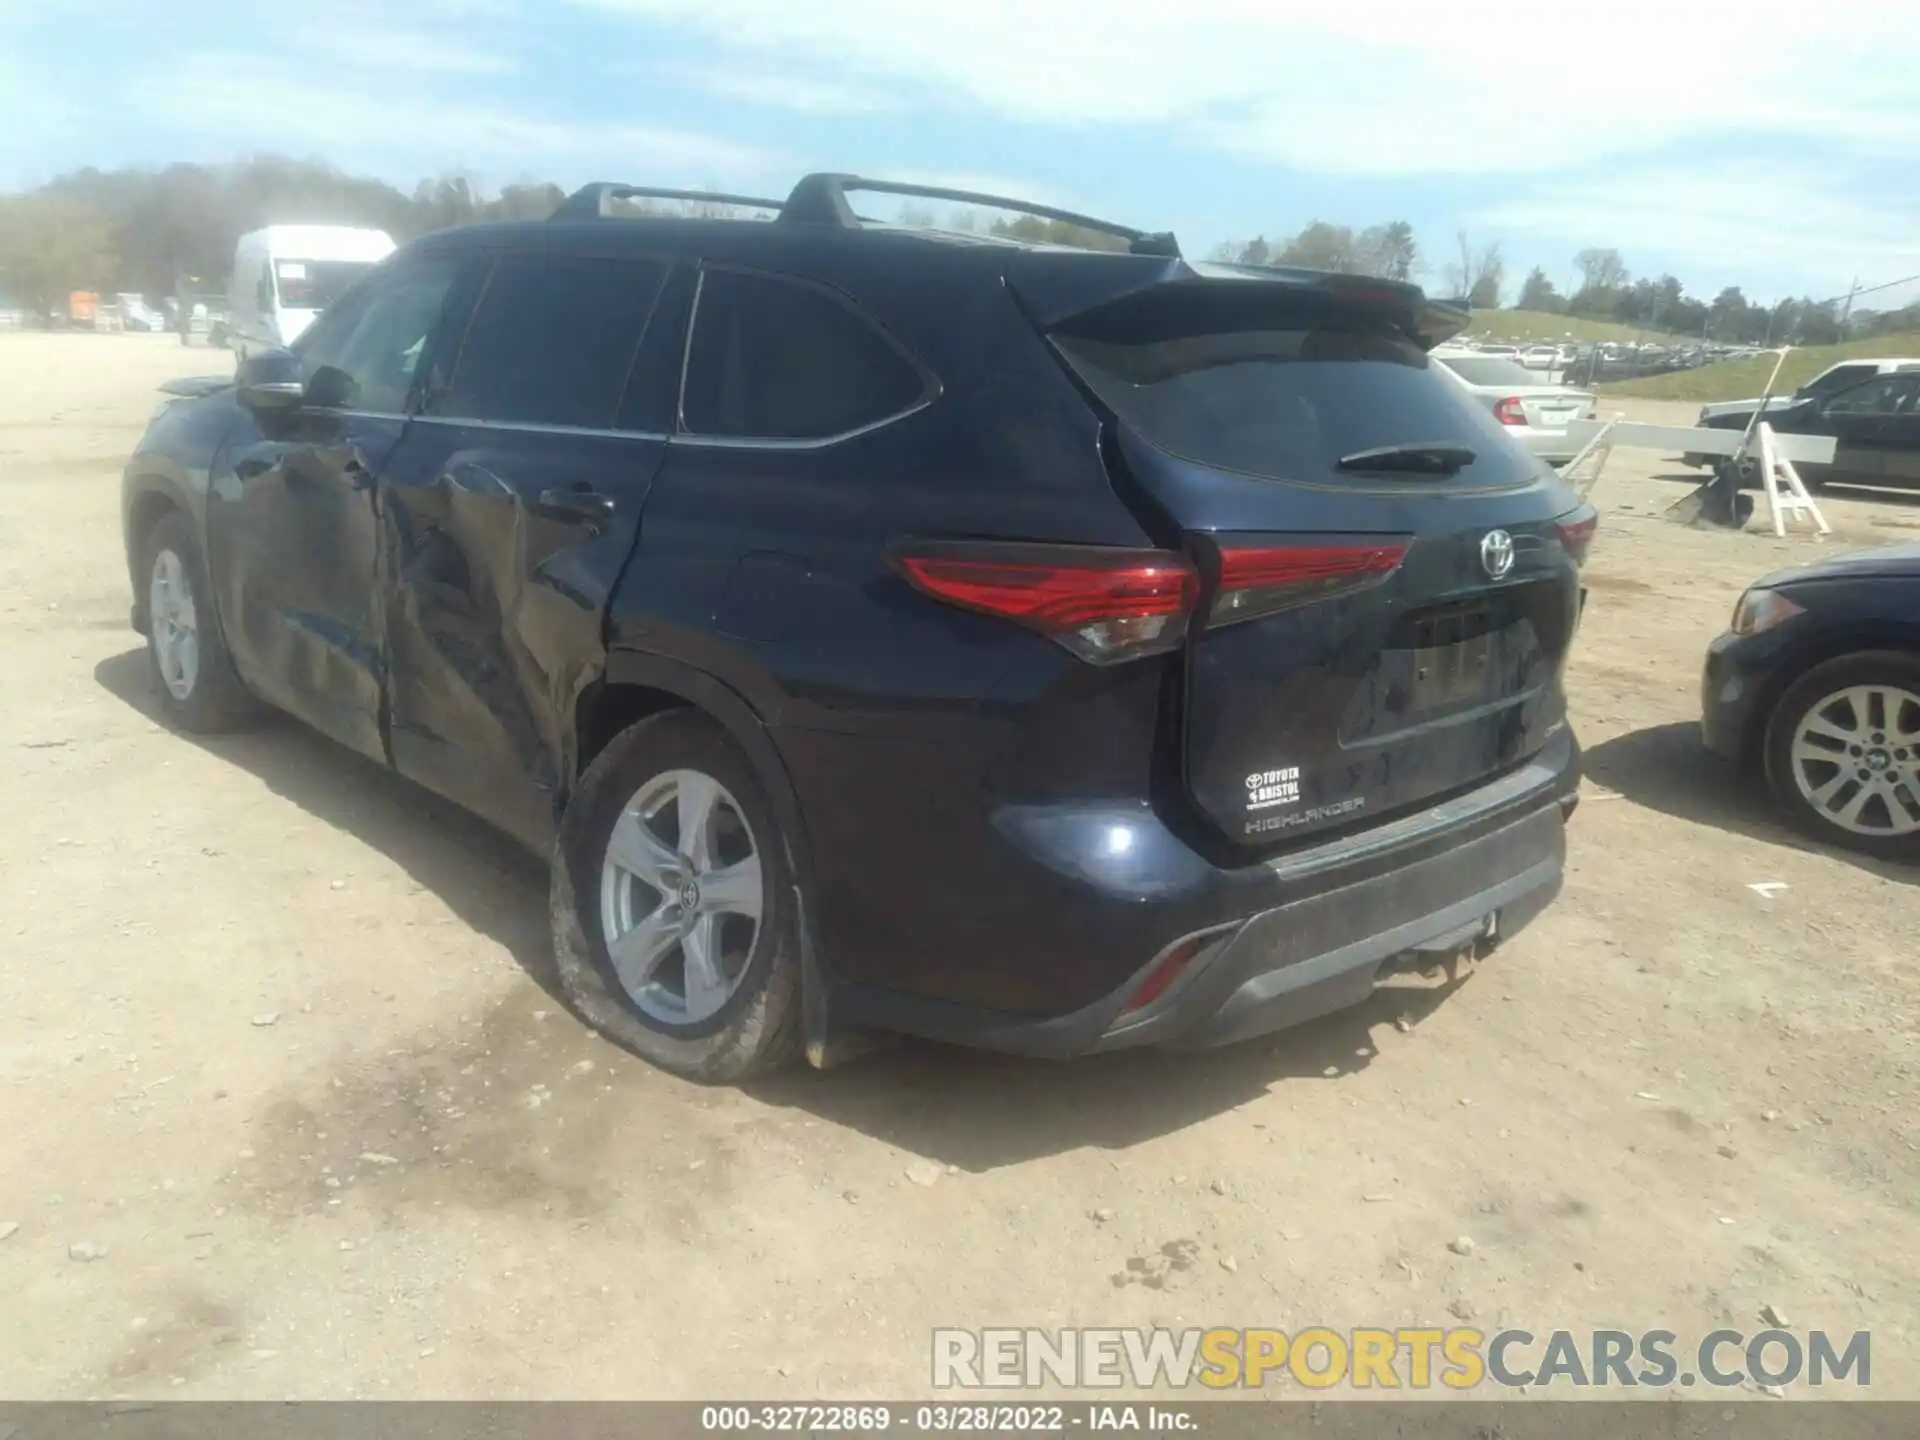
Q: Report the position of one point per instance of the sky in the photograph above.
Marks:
(1771, 145)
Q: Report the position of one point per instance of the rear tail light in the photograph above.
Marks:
(1260, 580)
(1104, 605)
(1576, 532)
(1509, 411)
(1173, 962)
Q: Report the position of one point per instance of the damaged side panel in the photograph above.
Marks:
(502, 547)
(294, 542)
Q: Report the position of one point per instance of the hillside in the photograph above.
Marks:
(1738, 379)
(1508, 326)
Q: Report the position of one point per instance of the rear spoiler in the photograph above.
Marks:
(1127, 291)
(196, 386)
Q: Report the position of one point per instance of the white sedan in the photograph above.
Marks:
(1535, 414)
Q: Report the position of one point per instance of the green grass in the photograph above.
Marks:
(1510, 326)
(1738, 379)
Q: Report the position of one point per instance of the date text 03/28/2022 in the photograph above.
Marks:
(963, 1418)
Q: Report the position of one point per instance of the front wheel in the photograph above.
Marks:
(674, 926)
(1843, 753)
(193, 675)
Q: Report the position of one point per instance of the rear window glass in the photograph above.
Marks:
(1289, 404)
(1490, 372)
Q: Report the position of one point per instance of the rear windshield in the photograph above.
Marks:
(316, 284)
(1490, 372)
(1288, 404)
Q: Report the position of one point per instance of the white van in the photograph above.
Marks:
(285, 275)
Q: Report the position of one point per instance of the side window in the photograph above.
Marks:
(1884, 396)
(373, 341)
(553, 341)
(774, 360)
(1836, 380)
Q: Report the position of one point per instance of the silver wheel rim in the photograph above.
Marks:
(1856, 760)
(176, 632)
(680, 897)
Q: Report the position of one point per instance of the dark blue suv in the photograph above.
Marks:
(1046, 648)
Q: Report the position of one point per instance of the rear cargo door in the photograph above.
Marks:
(1391, 584)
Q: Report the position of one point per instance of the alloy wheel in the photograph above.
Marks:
(175, 628)
(1856, 760)
(681, 897)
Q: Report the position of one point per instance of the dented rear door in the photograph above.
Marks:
(511, 506)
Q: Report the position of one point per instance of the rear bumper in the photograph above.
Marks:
(1311, 933)
(1301, 961)
(1552, 446)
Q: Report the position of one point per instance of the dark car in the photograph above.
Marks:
(1875, 426)
(1040, 648)
(1816, 685)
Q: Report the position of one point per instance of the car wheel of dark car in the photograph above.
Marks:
(193, 675)
(674, 923)
(1843, 752)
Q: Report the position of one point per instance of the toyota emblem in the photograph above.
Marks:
(1496, 553)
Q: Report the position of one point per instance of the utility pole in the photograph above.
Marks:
(1847, 309)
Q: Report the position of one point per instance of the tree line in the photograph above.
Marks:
(155, 231)
(1604, 288)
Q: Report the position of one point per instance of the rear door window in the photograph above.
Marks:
(1289, 404)
(774, 359)
(552, 342)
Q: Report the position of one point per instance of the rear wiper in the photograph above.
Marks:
(1421, 457)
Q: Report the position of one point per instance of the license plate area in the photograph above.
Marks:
(1445, 660)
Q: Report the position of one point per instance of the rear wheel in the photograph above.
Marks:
(194, 679)
(1843, 752)
(673, 918)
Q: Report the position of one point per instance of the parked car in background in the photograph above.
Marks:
(810, 594)
(1875, 425)
(1502, 352)
(1540, 357)
(1815, 686)
(136, 314)
(285, 275)
(1830, 381)
(1532, 411)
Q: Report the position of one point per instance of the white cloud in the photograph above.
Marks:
(387, 129)
(1376, 89)
(780, 90)
(388, 47)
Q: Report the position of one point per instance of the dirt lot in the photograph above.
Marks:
(274, 1037)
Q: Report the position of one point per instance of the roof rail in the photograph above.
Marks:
(589, 202)
(821, 199)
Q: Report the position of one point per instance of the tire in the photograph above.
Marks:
(1832, 696)
(757, 1028)
(204, 696)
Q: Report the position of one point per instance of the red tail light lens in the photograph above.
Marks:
(1103, 605)
(1509, 411)
(1262, 579)
(1576, 532)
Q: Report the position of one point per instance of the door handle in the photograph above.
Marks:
(589, 505)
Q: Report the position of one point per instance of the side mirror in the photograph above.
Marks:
(269, 381)
(329, 388)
